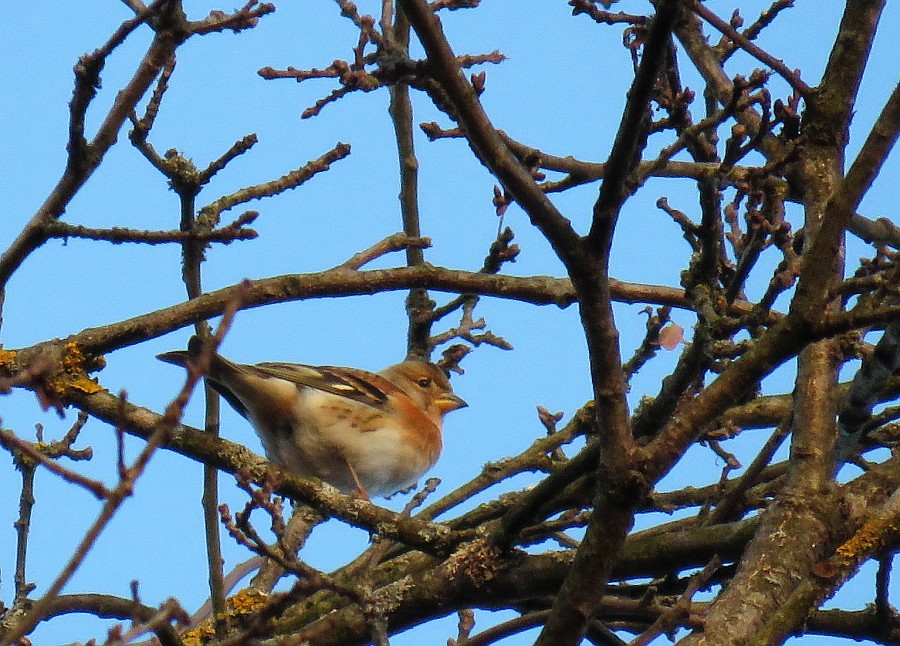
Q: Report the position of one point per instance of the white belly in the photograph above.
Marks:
(382, 461)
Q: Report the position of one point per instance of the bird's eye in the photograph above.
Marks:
(424, 382)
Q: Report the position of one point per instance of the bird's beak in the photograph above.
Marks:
(449, 402)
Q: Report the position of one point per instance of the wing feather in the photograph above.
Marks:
(358, 385)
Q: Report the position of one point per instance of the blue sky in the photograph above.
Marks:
(560, 90)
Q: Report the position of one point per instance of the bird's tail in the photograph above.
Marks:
(218, 373)
(177, 357)
(182, 357)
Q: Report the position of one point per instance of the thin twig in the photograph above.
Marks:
(119, 235)
(792, 77)
(15, 444)
(116, 496)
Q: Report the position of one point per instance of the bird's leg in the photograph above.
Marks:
(360, 490)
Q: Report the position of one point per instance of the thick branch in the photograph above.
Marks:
(538, 290)
(814, 284)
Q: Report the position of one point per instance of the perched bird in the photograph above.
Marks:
(374, 433)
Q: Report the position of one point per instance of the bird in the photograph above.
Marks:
(368, 433)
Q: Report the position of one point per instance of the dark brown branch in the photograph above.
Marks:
(128, 475)
(23, 523)
(854, 624)
(482, 135)
(210, 214)
(792, 77)
(730, 503)
(538, 290)
(28, 451)
(246, 17)
(84, 157)
(119, 235)
(391, 244)
(187, 184)
(708, 62)
(812, 290)
(142, 126)
(238, 148)
(156, 620)
(632, 132)
(618, 487)
(419, 306)
(867, 542)
(881, 230)
(588, 7)
(135, 5)
(506, 629)
(673, 617)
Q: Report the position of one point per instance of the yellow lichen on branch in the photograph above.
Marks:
(245, 602)
(869, 539)
(73, 372)
(7, 359)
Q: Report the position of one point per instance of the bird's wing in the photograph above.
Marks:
(359, 385)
